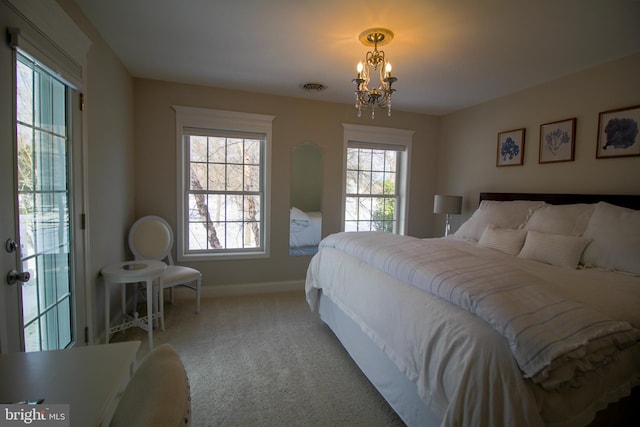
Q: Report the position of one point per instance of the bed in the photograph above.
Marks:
(527, 315)
(305, 230)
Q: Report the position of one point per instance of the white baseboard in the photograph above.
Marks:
(245, 289)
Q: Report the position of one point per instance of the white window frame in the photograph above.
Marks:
(230, 121)
(379, 138)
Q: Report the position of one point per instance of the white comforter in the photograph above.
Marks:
(464, 370)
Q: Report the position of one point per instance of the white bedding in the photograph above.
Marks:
(463, 368)
(305, 231)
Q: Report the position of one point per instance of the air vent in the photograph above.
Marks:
(314, 87)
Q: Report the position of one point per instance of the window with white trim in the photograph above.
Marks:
(223, 183)
(376, 178)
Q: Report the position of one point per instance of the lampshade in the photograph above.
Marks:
(447, 204)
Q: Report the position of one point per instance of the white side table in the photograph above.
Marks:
(148, 271)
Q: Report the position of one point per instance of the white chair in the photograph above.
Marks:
(158, 394)
(151, 237)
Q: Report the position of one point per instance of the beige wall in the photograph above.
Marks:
(110, 156)
(296, 121)
(468, 139)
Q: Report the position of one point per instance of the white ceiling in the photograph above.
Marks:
(446, 54)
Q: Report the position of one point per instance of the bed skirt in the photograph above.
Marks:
(395, 387)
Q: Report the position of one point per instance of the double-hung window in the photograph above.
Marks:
(223, 183)
(376, 178)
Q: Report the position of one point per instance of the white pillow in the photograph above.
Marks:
(512, 214)
(298, 215)
(298, 220)
(507, 240)
(554, 249)
(561, 219)
(615, 232)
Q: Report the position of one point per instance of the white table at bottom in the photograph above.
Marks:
(88, 379)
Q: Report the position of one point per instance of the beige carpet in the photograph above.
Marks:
(266, 361)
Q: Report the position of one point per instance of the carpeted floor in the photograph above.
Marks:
(266, 360)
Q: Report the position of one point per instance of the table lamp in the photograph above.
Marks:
(447, 205)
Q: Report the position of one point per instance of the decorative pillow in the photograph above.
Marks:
(554, 249)
(505, 240)
(512, 214)
(561, 219)
(615, 232)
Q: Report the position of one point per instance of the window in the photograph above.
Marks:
(376, 178)
(223, 181)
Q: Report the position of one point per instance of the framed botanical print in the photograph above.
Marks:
(557, 141)
(618, 133)
(510, 148)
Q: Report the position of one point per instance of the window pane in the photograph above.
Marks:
(351, 209)
(252, 208)
(364, 159)
(252, 178)
(64, 322)
(217, 177)
(217, 149)
(235, 177)
(252, 151)
(377, 160)
(235, 150)
(197, 176)
(59, 105)
(235, 208)
(32, 337)
(221, 230)
(197, 237)
(377, 182)
(43, 111)
(197, 148)
(352, 158)
(364, 182)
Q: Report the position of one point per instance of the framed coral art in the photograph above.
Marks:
(510, 148)
(557, 141)
(618, 133)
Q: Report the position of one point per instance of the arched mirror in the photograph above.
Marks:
(305, 215)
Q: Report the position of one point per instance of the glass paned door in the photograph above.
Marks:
(44, 206)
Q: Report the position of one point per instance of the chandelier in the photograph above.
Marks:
(379, 93)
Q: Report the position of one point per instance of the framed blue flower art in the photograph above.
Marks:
(557, 141)
(510, 148)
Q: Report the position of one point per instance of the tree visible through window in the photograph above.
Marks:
(376, 178)
(224, 195)
(371, 190)
(223, 183)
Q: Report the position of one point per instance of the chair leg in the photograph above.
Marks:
(198, 295)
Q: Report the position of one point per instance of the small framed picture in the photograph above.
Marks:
(618, 133)
(557, 141)
(510, 148)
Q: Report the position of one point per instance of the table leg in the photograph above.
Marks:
(149, 283)
(161, 302)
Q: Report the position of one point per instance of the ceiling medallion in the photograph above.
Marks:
(376, 94)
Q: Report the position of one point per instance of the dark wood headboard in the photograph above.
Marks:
(627, 201)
